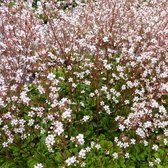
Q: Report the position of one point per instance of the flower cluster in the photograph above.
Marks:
(69, 76)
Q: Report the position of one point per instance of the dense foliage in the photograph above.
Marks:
(85, 86)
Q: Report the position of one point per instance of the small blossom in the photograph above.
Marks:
(127, 155)
(157, 160)
(145, 143)
(70, 161)
(165, 141)
(67, 114)
(151, 164)
(86, 118)
(97, 146)
(49, 141)
(155, 147)
(5, 144)
(105, 39)
(39, 165)
(80, 139)
(82, 153)
(115, 155)
(83, 164)
(51, 76)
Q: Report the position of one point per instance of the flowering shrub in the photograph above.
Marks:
(84, 87)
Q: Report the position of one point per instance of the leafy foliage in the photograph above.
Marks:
(83, 85)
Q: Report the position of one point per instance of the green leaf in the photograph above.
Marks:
(122, 162)
(106, 144)
(31, 162)
(58, 157)
(160, 166)
(8, 165)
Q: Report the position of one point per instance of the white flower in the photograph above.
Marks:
(102, 103)
(41, 89)
(1, 102)
(70, 160)
(125, 145)
(80, 138)
(83, 164)
(92, 144)
(39, 165)
(5, 128)
(111, 81)
(154, 104)
(92, 94)
(74, 85)
(108, 66)
(116, 139)
(85, 118)
(147, 124)
(145, 143)
(72, 139)
(104, 88)
(127, 155)
(133, 141)
(140, 132)
(115, 155)
(14, 122)
(31, 122)
(51, 76)
(67, 113)
(97, 146)
(157, 160)
(166, 132)
(49, 141)
(69, 67)
(59, 128)
(105, 39)
(107, 109)
(1, 121)
(31, 114)
(155, 147)
(70, 80)
(151, 164)
(87, 82)
(82, 153)
(5, 144)
(123, 87)
(82, 104)
(107, 152)
(165, 141)
(10, 140)
(88, 149)
(24, 98)
(121, 127)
